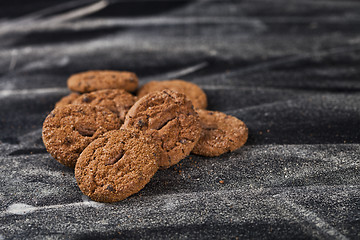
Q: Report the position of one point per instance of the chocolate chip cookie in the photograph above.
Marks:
(169, 118)
(68, 99)
(116, 165)
(192, 91)
(118, 101)
(220, 133)
(67, 130)
(102, 79)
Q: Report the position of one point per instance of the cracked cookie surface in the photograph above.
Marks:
(192, 91)
(118, 101)
(117, 165)
(170, 119)
(220, 133)
(67, 130)
(102, 79)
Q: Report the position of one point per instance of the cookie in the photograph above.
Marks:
(116, 165)
(116, 100)
(191, 90)
(170, 119)
(67, 99)
(67, 130)
(102, 79)
(220, 133)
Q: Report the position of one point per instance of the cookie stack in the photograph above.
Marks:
(117, 141)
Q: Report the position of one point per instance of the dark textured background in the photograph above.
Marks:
(289, 69)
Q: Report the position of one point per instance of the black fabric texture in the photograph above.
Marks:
(289, 69)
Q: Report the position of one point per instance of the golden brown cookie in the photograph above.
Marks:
(192, 91)
(118, 101)
(68, 99)
(102, 79)
(116, 165)
(67, 130)
(221, 133)
(169, 118)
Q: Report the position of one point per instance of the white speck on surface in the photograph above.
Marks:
(47, 63)
(179, 73)
(79, 12)
(171, 204)
(88, 202)
(20, 209)
(8, 92)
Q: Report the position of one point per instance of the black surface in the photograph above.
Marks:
(289, 69)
